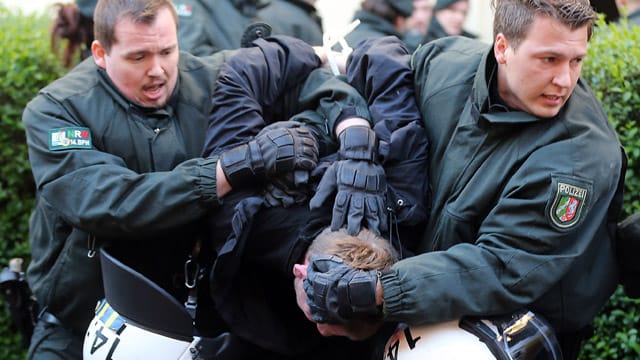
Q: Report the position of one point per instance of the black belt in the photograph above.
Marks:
(49, 318)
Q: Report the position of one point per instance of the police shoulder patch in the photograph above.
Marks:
(569, 197)
(70, 138)
(183, 10)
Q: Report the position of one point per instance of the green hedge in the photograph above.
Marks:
(612, 69)
(26, 65)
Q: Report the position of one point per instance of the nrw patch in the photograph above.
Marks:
(70, 138)
(569, 199)
(183, 10)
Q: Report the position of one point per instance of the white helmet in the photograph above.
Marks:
(110, 336)
(140, 320)
(522, 336)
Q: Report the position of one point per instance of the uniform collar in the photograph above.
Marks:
(485, 96)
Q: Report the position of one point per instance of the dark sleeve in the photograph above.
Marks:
(250, 83)
(325, 100)
(380, 70)
(95, 191)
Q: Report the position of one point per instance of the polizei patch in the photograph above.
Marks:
(568, 202)
(70, 138)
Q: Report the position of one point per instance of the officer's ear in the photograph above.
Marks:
(99, 53)
(500, 46)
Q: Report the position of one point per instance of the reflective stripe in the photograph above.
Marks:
(109, 317)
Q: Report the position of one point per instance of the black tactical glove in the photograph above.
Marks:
(337, 292)
(360, 183)
(288, 189)
(275, 151)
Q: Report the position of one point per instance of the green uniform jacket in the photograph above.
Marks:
(297, 18)
(102, 167)
(522, 206)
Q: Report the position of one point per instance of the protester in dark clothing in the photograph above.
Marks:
(526, 173)
(263, 242)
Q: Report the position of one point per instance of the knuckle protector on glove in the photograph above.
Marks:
(279, 154)
(362, 175)
(358, 143)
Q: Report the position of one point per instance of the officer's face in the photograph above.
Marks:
(452, 18)
(539, 76)
(421, 16)
(143, 61)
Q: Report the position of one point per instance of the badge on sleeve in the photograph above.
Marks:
(183, 10)
(70, 138)
(568, 199)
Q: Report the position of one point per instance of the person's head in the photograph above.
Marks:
(136, 43)
(421, 16)
(539, 46)
(366, 251)
(451, 14)
(394, 11)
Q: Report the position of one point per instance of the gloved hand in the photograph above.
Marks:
(337, 292)
(359, 181)
(287, 189)
(274, 151)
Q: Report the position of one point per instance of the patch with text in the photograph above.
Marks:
(70, 138)
(568, 200)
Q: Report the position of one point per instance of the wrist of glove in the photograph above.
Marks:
(358, 143)
(337, 292)
(274, 151)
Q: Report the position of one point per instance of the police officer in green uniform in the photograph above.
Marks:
(208, 26)
(379, 18)
(526, 173)
(115, 152)
(297, 18)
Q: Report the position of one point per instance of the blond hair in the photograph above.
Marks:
(365, 251)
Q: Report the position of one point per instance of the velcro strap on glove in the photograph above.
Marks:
(357, 294)
(241, 164)
(358, 143)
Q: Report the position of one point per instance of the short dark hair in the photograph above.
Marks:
(513, 18)
(109, 12)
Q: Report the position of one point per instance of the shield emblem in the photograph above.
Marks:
(567, 204)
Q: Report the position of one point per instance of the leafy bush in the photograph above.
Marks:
(612, 69)
(26, 65)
